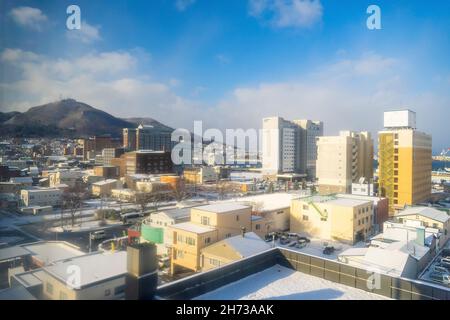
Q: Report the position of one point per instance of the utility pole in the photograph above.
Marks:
(90, 241)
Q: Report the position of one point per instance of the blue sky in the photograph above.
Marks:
(230, 63)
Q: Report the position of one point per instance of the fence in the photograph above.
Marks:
(391, 287)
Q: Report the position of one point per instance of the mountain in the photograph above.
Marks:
(65, 118)
(148, 122)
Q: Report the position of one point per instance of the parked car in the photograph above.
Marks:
(445, 262)
(98, 235)
(270, 236)
(301, 243)
(328, 250)
(284, 240)
(304, 239)
(440, 277)
(292, 243)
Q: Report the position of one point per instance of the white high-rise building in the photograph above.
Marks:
(290, 146)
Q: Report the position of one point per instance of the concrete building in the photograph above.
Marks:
(427, 217)
(208, 224)
(104, 188)
(71, 178)
(129, 139)
(147, 137)
(144, 161)
(40, 197)
(106, 171)
(343, 160)
(331, 218)
(110, 153)
(289, 146)
(200, 175)
(232, 249)
(401, 250)
(404, 156)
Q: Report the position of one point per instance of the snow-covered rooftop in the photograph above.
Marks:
(247, 245)
(428, 212)
(192, 227)
(105, 182)
(222, 207)
(268, 202)
(94, 267)
(50, 251)
(280, 283)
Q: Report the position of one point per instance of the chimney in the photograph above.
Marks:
(420, 236)
(142, 272)
(243, 232)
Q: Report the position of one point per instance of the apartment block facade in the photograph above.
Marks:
(404, 156)
(342, 160)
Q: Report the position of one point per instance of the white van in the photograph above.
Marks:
(98, 235)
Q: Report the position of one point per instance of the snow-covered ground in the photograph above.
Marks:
(85, 226)
(280, 283)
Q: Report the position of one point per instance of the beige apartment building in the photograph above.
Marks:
(104, 188)
(208, 224)
(40, 197)
(332, 218)
(342, 160)
(404, 156)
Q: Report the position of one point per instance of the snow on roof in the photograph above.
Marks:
(268, 202)
(13, 252)
(222, 207)
(345, 202)
(192, 227)
(360, 197)
(175, 213)
(428, 212)
(248, 245)
(277, 282)
(95, 267)
(51, 251)
(104, 182)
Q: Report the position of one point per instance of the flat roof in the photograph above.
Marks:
(13, 252)
(345, 202)
(222, 207)
(50, 251)
(281, 283)
(192, 227)
(429, 212)
(95, 267)
(268, 202)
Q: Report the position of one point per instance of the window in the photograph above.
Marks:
(190, 241)
(237, 218)
(207, 240)
(228, 235)
(305, 207)
(179, 238)
(258, 227)
(107, 292)
(119, 290)
(62, 295)
(205, 220)
(305, 218)
(49, 288)
(214, 262)
(435, 225)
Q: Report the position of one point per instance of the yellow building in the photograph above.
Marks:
(208, 224)
(200, 175)
(105, 187)
(331, 218)
(342, 160)
(232, 249)
(404, 169)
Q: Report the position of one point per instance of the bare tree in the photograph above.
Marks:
(224, 188)
(71, 202)
(179, 191)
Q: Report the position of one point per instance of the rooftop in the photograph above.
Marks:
(222, 207)
(280, 283)
(248, 245)
(192, 227)
(50, 251)
(268, 202)
(95, 267)
(333, 199)
(429, 212)
(104, 182)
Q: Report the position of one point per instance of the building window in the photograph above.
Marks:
(62, 295)
(305, 218)
(305, 207)
(207, 240)
(258, 227)
(190, 241)
(228, 235)
(214, 262)
(49, 288)
(237, 218)
(107, 292)
(205, 220)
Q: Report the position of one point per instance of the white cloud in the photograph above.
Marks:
(28, 17)
(182, 5)
(86, 34)
(287, 13)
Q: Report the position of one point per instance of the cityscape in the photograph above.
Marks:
(118, 185)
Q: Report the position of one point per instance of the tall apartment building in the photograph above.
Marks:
(342, 160)
(110, 153)
(289, 146)
(404, 155)
(94, 145)
(147, 137)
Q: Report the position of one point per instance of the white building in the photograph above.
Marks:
(41, 197)
(289, 146)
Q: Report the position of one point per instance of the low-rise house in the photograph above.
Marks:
(199, 175)
(331, 218)
(232, 249)
(104, 188)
